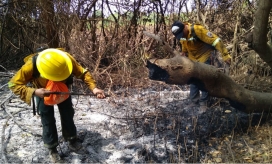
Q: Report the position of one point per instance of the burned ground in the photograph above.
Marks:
(132, 125)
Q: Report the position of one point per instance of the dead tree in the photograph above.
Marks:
(259, 38)
(180, 70)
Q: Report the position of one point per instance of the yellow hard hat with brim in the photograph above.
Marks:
(54, 64)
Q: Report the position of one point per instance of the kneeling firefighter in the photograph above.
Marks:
(55, 67)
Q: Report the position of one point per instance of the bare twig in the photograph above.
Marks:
(21, 126)
(3, 68)
(166, 46)
(179, 153)
(230, 151)
(259, 121)
(155, 130)
(6, 74)
(18, 106)
(3, 146)
(3, 86)
(3, 151)
(74, 93)
(234, 48)
(8, 97)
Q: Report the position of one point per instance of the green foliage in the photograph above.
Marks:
(98, 13)
(88, 25)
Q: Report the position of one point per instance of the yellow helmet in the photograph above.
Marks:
(54, 64)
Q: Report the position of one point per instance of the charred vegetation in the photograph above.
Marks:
(111, 44)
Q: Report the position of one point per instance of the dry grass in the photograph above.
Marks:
(253, 147)
(120, 61)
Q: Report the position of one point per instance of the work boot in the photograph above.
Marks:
(202, 107)
(74, 145)
(54, 155)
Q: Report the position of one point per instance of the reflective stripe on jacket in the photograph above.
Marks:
(200, 50)
(18, 83)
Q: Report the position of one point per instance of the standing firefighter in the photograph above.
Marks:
(199, 45)
(55, 67)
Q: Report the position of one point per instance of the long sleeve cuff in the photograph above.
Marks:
(29, 95)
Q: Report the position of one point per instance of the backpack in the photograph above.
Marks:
(36, 73)
(193, 33)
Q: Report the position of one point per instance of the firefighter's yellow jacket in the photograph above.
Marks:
(200, 51)
(18, 83)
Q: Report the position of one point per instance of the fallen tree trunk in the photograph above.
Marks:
(181, 70)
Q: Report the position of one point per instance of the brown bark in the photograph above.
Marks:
(182, 71)
(132, 29)
(259, 42)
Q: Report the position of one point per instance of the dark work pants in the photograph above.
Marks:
(50, 135)
(194, 91)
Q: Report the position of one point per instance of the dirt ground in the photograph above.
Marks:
(130, 126)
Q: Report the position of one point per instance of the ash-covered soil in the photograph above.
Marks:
(130, 126)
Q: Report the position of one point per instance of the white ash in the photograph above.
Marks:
(132, 126)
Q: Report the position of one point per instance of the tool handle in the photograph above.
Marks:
(74, 93)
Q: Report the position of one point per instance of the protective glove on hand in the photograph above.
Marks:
(99, 93)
